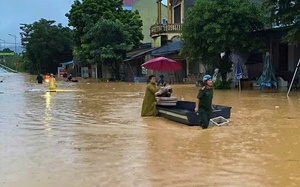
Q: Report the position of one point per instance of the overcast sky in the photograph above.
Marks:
(14, 12)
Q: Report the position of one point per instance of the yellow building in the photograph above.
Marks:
(170, 29)
(148, 16)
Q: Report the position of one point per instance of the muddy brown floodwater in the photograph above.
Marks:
(91, 134)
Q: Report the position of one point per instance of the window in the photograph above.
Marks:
(177, 14)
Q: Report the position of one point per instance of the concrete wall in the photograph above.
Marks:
(148, 13)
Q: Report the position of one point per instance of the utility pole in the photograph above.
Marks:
(15, 42)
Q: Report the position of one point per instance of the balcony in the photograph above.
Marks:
(156, 30)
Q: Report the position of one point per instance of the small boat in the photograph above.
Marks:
(184, 112)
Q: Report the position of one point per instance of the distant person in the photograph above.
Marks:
(52, 82)
(46, 77)
(149, 103)
(161, 81)
(204, 104)
(39, 78)
(70, 77)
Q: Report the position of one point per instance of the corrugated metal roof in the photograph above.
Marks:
(133, 55)
(169, 48)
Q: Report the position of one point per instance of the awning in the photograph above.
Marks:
(67, 63)
(169, 48)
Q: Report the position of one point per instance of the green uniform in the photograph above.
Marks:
(205, 106)
(149, 103)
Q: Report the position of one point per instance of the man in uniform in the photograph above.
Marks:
(204, 104)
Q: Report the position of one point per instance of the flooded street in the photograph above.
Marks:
(91, 134)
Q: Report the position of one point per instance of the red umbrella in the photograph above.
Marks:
(162, 64)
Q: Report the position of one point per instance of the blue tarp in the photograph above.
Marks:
(267, 77)
(238, 71)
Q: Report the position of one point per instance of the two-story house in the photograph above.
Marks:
(136, 57)
(166, 35)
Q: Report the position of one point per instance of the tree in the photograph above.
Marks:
(14, 62)
(285, 13)
(105, 43)
(215, 26)
(46, 46)
(86, 14)
(7, 50)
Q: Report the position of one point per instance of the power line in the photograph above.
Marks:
(11, 43)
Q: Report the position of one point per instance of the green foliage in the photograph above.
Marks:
(46, 46)
(285, 13)
(86, 12)
(15, 62)
(215, 26)
(104, 45)
(222, 85)
(7, 50)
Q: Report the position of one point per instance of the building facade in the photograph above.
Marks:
(148, 16)
(170, 28)
(283, 55)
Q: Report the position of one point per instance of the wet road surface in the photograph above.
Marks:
(91, 134)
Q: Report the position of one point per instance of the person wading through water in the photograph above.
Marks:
(149, 103)
(39, 78)
(204, 104)
(52, 82)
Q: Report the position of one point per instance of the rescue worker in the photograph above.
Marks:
(52, 82)
(204, 104)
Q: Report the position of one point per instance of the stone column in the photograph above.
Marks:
(158, 11)
(169, 12)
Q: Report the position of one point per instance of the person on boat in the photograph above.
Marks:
(161, 81)
(204, 104)
(52, 82)
(149, 102)
(39, 78)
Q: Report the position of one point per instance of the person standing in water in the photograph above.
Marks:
(149, 103)
(39, 78)
(70, 77)
(161, 81)
(204, 104)
(46, 78)
(52, 82)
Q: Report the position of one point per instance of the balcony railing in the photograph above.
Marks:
(166, 28)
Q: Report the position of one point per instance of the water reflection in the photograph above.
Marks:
(47, 116)
(93, 135)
